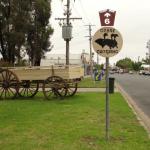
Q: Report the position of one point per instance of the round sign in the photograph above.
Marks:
(107, 42)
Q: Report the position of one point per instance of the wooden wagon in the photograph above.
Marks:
(27, 81)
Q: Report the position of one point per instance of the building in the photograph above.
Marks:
(82, 59)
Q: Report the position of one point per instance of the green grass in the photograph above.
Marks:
(76, 123)
(90, 83)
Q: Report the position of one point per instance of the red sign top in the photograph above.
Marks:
(107, 17)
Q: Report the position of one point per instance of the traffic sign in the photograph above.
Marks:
(107, 42)
(107, 17)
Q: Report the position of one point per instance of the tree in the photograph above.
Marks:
(39, 31)
(146, 61)
(12, 28)
(25, 26)
(137, 66)
(125, 63)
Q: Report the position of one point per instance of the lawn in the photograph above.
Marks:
(90, 83)
(76, 123)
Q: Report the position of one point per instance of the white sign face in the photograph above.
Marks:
(107, 42)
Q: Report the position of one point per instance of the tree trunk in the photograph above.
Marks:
(37, 61)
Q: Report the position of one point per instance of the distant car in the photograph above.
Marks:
(121, 71)
(146, 73)
(130, 72)
(111, 72)
(141, 72)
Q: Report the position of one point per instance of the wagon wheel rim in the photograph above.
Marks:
(71, 89)
(54, 86)
(28, 89)
(9, 85)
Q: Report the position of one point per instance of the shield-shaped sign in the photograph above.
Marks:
(107, 17)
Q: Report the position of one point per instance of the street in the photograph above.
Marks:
(138, 87)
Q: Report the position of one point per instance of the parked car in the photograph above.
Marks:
(111, 72)
(121, 71)
(130, 72)
(146, 72)
(141, 72)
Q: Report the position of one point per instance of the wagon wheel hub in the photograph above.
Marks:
(26, 84)
(5, 84)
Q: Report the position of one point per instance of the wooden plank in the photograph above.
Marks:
(42, 73)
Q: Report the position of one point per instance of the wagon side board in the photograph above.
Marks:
(42, 73)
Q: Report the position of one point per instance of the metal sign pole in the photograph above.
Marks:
(107, 99)
(107, 47)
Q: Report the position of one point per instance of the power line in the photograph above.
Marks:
(85, 14)
(67, 13)
(76, 10)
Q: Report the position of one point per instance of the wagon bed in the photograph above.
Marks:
(41, 73)
(25, 81)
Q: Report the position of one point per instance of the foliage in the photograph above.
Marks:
(24, 28)
(125, 63)
(75, 123)
(146, 61)
(137, 66)
(99, 67)
(39, 31)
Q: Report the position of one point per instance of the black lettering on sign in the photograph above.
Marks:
(107, 30)
(107, 51)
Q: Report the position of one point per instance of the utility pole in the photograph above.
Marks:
(90, 43)
(148, 54)
(68, 27)
(97, 59)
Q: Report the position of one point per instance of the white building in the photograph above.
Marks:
(60, 59)
(82, 59)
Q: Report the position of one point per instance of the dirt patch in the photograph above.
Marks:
(90, 140)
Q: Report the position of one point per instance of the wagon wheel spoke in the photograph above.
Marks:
(2, 93)
(11, 91)
(51, 93)
(54, 86)
(9, 75)
(72, 88)
(48, 89)
(31, 90)
(9, 87)
(28, 89)
(62, 90)
(3, 76)
(8, 92)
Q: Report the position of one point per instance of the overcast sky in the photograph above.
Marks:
(132, 20)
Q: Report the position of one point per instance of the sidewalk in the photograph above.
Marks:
(93, 90)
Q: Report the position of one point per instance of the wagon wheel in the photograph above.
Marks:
(54, 86)
(71, 88)
(9, 84)
(28, 88)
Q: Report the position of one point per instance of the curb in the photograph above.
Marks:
(141, 116)
(93, 90)
(90, 90)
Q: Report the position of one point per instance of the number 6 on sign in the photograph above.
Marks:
(107, 21)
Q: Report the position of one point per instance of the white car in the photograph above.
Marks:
(146, 72)
(141, 72)
(130, 72)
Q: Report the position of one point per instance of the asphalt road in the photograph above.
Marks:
(138, 88)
